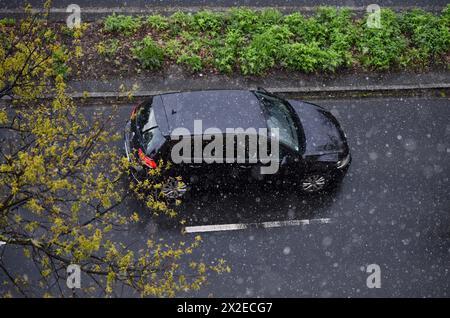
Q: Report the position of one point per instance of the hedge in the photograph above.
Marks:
(254, 42)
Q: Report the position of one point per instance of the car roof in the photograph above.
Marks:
(216, 108)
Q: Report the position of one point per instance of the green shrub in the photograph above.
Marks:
(295, 22)
(381, 48)
(226, 53)
(59, 65)
(254, 41)
(173, 48)
(122, 24)
(264, 50)
(309, 57)
(341, 34)
(108, 48)
(192, 42)
(329, 28)
(270, 17)
(244, 19)
(208, 21)
(224, 59)
(414, 57)
(158, 22)
(7, 22)
(429, 35)
(180, 21)
(188, 54)
(445, 17)
(307, 29)
(149, 53)
(192, 61)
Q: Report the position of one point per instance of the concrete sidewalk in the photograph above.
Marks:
(295, 84)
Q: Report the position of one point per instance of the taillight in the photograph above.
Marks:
(149, 162)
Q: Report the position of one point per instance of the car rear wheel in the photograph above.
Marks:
(173, 188)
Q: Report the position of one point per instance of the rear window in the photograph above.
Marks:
(146, 117)
(151, 136)
(153, 140)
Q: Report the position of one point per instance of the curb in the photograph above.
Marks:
(438, 89)
(107, 99)
(284, 90)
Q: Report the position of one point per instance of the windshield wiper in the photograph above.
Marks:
(153, 127)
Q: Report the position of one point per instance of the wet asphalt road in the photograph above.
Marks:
(393, 210)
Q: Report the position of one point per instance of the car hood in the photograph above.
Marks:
(322, 132)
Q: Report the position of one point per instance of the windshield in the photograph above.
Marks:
(279, 116)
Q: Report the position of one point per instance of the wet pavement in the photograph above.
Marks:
(392, 209)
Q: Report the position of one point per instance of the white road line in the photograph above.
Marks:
(214, 228)
(243, 226)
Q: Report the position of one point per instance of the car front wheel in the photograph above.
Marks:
(314, 183)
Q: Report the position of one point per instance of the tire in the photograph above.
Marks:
(315, 182)
(173, 189)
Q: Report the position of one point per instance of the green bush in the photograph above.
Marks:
(264, 50)
(192, 61)
(244, 19)
(188, 54)
(445, 17)
(250, 21)
(180, 21)
(342, 37)
(330, 29)
(255, 41)
(108, 48)
(122, 24)
(7, 22)
(60, 58)
(227, 52)
(295, 22)
(381, 48)
(270, 17)
(158, 22)
(173, 48)
(330, 33)
(149, 53)
(429, 35)
(309, 57)
(209, 21)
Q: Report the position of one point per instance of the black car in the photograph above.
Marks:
(312, 149)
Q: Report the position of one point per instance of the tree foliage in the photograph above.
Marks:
(61, 189)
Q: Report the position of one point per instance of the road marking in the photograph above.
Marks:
(243, 226)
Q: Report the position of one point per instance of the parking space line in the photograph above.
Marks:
(243, 226)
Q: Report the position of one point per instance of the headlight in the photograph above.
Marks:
(344, 162)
